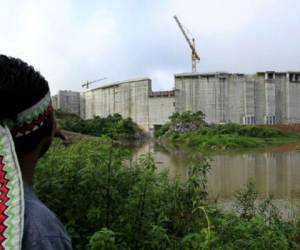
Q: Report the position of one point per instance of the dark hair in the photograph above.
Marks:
(20, 88)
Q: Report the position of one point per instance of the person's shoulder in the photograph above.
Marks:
(41, 219)
(42, 229)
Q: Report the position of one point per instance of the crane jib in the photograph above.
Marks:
(195, 56)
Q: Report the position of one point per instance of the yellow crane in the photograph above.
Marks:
(87, 84)
(195, 56)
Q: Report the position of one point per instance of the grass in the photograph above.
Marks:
(230, 137)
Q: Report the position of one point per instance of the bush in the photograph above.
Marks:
(162, 130)
(103, 239)
(245, 200)
(113, 126)
(186, 121)
(244, 130)
(127, 205)
(189, 129)
(108, 202)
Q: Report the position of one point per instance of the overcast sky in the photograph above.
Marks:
(71, 41)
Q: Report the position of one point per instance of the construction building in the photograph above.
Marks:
(132, 98)
(67, 101)
(264, 98)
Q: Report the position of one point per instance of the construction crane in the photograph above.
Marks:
(195, 56)
(87, 84)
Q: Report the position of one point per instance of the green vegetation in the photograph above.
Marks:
(107, 201)
(113, 126)
(189, 129)
(182, 122)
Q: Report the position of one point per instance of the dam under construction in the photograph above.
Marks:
(267, 97)
(262, 98)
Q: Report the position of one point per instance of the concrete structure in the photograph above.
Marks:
(264, 98)
(67, 101)
(132, 98)
(54, 102)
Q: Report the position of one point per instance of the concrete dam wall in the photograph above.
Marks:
(263, 98)
(133, 98)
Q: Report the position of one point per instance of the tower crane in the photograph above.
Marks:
(87, 84)
(195, 56)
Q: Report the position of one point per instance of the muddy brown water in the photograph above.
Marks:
(276, 172)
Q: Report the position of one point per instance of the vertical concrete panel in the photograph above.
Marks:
(188, 85)
(280, 97)
(68, 101)
(160, 108)
(209, 99)
(82, 106)
(179, 95)
(143, 104)
(260, 100)
(270, 98)
(54, 100)
(249, 105)
(236, 101)
(294, 102)
(89, 112)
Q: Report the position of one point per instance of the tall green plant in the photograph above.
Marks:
(114, 126)
(107, 201)
(245, 200)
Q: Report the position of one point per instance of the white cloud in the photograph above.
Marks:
(46, 35)
(74, 41)
(214, 16)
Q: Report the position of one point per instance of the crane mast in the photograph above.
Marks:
(195, 56)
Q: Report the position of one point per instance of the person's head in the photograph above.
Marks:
(21, 87)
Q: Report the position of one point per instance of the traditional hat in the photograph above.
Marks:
(11, 184)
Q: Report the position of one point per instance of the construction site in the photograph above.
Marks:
(266, 97)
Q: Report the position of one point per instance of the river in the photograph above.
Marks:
(276, 172)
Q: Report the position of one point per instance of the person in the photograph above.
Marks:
(27, 128)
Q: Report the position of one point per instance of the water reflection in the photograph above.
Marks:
(275, 173)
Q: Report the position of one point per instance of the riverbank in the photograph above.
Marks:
(115, 127)
(218, 142)
(189, 130)
(133, 206)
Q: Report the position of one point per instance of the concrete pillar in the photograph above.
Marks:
(288, 101)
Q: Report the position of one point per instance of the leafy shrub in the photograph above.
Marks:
(103, 239)
(91, 187)
(113, 126)
(108, 202)
(162, 130)
(245, 200)
(245, 130)
(186, 121)
(189, 129)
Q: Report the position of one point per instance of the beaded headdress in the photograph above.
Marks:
(11, 184)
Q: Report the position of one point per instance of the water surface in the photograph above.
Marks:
(276, 172)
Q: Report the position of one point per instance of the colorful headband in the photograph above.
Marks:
(11, 184)
(32, 118)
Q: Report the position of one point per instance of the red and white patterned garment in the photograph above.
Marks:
(11, 184)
